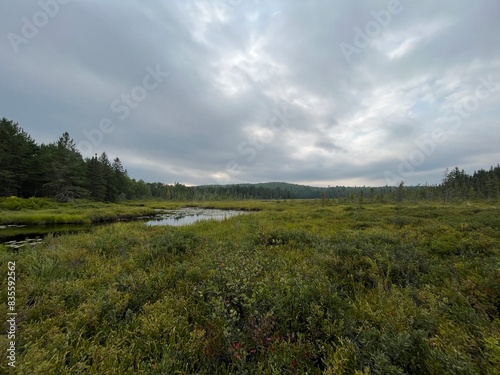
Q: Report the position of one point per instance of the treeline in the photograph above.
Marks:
(456, 185)
(481, 185)
(58, 170)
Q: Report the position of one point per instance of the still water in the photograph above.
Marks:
(188, 216)
(16, 236)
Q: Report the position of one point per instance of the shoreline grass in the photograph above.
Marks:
(43, 211)
(79, 212)
(72, 215)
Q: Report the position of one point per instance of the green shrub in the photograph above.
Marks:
(173, 242)
(274, 292)
(294, 237)
(16, 204)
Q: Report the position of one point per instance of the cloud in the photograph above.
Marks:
(263, 86)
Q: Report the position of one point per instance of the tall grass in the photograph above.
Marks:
(297, 287)
(76, 213)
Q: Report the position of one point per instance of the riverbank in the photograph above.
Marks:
(46, 212)
(43, 211)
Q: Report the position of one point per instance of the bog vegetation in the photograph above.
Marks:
(43, 211)
(296, 287)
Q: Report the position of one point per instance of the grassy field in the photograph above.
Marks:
(294, 287)
(43, 211)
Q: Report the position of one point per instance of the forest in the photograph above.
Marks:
(58, 170)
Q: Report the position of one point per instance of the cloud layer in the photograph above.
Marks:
(316, 92)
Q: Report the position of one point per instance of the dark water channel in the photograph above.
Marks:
(16, 236)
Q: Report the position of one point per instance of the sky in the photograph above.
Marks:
(317, 92)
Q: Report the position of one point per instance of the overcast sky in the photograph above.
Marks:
(228, 91)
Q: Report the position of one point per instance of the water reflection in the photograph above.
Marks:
(188, 216)
(16, 236)
(21, 232)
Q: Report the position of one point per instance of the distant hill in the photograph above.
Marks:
(288, 190)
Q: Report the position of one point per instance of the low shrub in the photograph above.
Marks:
(16, 204)
(273, 292)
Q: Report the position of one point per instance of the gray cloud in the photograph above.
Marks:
(234, 69)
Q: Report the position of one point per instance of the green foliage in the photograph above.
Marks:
(43, 211)
(292, 288)
(57, 170)
(18, 161)
(16, 204)
(174, 243)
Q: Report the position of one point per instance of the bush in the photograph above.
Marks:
(294, 237)
(173, 242)
(16, 204)
(291, 292)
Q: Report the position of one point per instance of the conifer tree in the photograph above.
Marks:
(67, 171)
(18, 154)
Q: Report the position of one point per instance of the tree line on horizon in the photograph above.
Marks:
(58, 170)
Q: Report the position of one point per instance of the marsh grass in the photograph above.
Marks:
(294, 287)
(70, 213)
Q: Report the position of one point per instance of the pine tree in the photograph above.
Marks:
(18, 154)
(400, 191)
(67, 171)
(111, 193)
(121, 179)
(96, 183)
